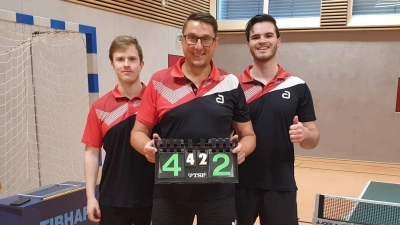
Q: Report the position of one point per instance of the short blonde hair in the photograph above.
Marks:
(123, 42)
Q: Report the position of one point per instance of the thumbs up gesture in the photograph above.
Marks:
(297, 131)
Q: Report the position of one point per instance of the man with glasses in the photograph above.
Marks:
(194, 100)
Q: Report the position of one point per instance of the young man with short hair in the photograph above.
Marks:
(282, 112)
(126, 186)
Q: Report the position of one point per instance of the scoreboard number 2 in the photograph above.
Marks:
(203, 158)
(217, 171)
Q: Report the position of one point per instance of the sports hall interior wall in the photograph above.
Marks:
(353, 77)
(157, 40)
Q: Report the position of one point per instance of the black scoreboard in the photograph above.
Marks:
(204, 162)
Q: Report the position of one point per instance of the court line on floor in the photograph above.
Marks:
(349, 171)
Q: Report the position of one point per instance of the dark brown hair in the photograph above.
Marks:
(259, 19)
(202, 17)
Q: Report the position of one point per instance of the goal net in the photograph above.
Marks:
(44, 101)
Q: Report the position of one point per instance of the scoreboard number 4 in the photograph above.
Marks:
(175, 168)
(190, 159)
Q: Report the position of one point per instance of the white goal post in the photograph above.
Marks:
(48, 81)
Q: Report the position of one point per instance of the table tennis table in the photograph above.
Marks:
(378, 204)
(381, 191)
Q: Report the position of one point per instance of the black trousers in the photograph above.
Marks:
(217, 212)
(125, 216)
(273, 208)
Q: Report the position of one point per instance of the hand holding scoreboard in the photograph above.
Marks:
(211, 162)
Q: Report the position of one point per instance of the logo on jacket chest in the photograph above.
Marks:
(220, 99)
(286, 95)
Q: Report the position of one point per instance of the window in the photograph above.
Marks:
(376, 7)
(245, 9)
(367, 13)
(294, 8)
(239, 9)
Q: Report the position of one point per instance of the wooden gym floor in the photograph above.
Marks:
(335, 177)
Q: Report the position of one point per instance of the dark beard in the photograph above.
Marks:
(265, 58)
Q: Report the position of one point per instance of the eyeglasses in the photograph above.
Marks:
(205, 41)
